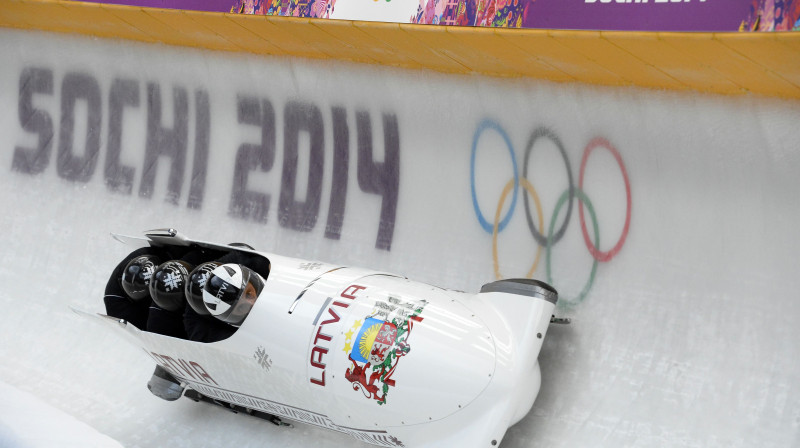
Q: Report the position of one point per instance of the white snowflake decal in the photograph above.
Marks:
(203, 279)
(148, 272)
(171, 281)
(309, 266)
(262, 358)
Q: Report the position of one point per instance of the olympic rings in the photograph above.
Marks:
(553, 235)
(527, 185)
(483, 126)
(538, 133)
(585, 199)
(596, 253)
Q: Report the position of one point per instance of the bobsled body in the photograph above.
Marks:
(390, 361)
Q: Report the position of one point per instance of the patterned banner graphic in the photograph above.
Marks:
(623, 15)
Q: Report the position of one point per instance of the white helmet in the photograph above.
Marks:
(230, 292)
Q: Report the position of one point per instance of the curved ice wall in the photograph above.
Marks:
(666, 221)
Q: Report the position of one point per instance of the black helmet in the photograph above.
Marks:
(231, 291)
(168, 283)
(194, 287)
(136, 276)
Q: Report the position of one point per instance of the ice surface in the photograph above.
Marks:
(686, 337)
(26, 421)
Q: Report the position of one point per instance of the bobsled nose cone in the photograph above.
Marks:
(523, 287)
(525, 306)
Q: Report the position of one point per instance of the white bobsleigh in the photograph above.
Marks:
(390, 361)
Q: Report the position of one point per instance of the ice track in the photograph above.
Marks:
(683, 335)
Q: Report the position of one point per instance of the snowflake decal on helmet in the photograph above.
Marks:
(171, 281)
(201, 283)
(149, 269)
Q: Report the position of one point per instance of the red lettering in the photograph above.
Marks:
(317, 352)
(330, 321)
(352, 295)
(319, 382)
(190, 368)
(160, 359)
(185, 368)
(168, 362)
(202, 372)
(320, 351)
(320, 335)
(318, 363)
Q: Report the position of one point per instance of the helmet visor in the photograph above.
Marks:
(231, 291)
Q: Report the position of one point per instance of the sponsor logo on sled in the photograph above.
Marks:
(376, 344)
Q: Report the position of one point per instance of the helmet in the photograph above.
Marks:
(167, 285)
(136, 276)
(194, 287)
(231, 291)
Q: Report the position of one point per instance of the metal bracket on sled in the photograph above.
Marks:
(167, 236)
(560, 320)
(236, 409)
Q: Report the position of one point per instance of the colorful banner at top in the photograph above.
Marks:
(622, 15)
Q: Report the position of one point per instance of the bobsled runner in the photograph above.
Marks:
(387, 360)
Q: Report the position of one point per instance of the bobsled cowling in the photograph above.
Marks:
(390, 361)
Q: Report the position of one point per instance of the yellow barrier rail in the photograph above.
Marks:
(765, 64)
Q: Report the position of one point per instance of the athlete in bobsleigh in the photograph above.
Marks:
(167, 298)
(384, 359)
